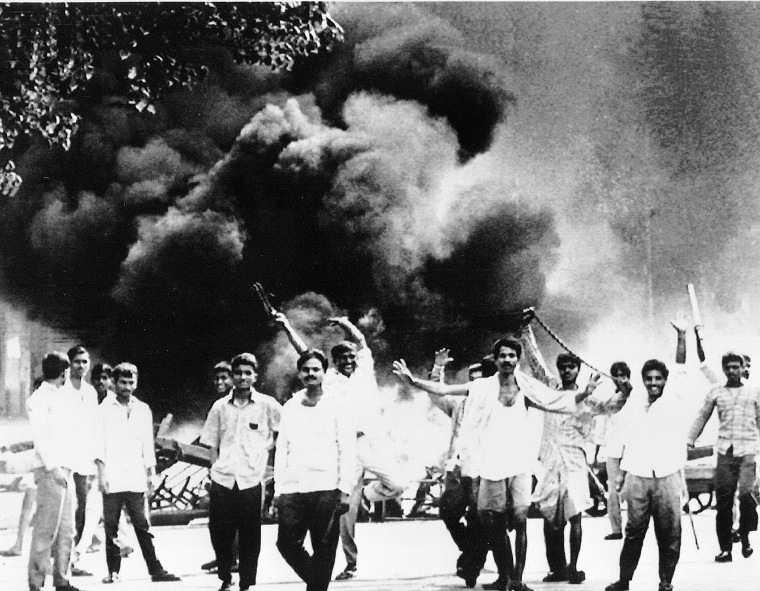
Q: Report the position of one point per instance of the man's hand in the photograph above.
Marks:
(348, 326)
(619, 481)
(681, 323)
(442, 357)
(103, 485)
(402, 372)
(281, 319)
(344, 503)
(274, 508)
(593, 383)
(528, 314)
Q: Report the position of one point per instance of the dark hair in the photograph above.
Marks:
(655, 364)
(513, 344)
(731, 356)
(124, 370)
(563, 358)
(488, 366)
(244, 359)
(78, 350)
(101, 368)
(54, 364)
(620, 367)
(222, 366)
(342, 347)
(312, 354)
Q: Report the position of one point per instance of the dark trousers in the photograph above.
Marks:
(660, 500)
(316, 513)
(82, 486)
(494, 527)
(137, 510)
(457, 502)
(234, 511)
(732, 473)
(555, 548)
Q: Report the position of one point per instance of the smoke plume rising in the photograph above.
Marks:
(444, 167)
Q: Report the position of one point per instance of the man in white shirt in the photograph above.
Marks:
(84, 402)
(653, 454)
(496, 417)
(240, 430)
(314, 474)
(126, 467)
(52, 422)
(351, 379)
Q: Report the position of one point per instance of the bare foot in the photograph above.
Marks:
(10, 552)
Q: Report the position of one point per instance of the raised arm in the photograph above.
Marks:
(298, 343)
(403, 374)
(351, 330)
(680, 324)
(438, 373)
(590, 387)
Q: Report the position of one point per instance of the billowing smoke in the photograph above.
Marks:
(443, 168)
(354, 185)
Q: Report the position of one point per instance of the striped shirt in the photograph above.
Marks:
(739, 415)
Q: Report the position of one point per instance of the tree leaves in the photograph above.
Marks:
(48, 52)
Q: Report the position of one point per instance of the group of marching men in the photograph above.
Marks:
(327, 439)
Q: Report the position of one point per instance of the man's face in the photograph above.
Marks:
(80, 365)
(506, 360)
(222, 382)
(654, 382)
(568, 372)
(745, 370)
(244, 376)
(620, 377)
(345, 363)
(311, 373)
(125, 386)
(733, 371)
(102, 383)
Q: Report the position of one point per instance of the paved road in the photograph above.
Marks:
(415, 555)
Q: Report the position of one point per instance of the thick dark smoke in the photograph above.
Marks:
(355, 178)
(446, 166)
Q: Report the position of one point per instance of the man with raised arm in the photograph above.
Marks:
(352, 380)
(563, 493)
(496, 418)
(653, 454)
(738, 443)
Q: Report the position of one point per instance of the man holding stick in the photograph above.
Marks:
(651, 466)
(496, 418)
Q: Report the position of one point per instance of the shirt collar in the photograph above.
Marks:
(231, 397)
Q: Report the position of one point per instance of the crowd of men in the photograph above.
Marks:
(517, 440)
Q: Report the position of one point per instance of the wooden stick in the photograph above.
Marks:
(695, 314)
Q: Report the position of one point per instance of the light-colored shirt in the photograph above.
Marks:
(358, 393)
(243, 432)
(316, 448)
(84, 447)
(52, 421)
(483, 397)
(505, 442)
(652, 437)
(127, 449)
(739, 416)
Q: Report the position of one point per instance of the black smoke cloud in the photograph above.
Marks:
(353, 185)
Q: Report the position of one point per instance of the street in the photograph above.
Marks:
(410, 555)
